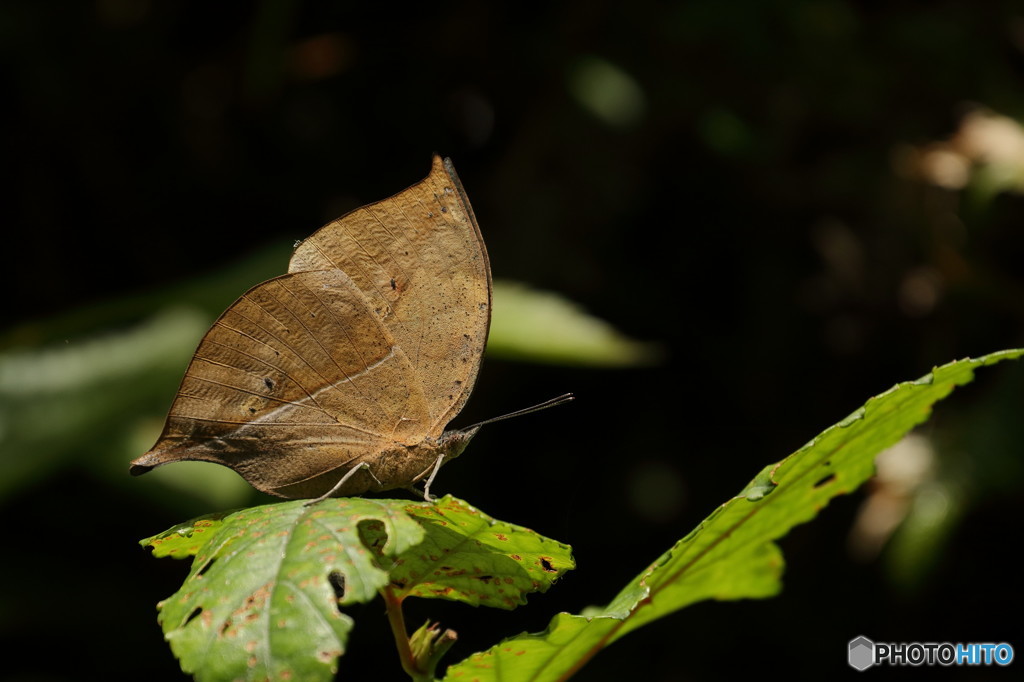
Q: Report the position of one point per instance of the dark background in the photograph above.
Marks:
(758, 201)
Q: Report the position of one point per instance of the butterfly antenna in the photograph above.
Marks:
(518, 413)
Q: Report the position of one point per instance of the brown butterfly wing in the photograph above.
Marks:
(373, 338)
(420, 260)
(298, 377)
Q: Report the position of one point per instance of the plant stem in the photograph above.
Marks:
(397, 620)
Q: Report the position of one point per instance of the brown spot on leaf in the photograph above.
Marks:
(501, 536)
(248, 611)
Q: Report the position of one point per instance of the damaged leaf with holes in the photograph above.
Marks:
(732, 553)
(262, 598)
(470, 557)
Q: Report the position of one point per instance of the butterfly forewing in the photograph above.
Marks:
(419, 259)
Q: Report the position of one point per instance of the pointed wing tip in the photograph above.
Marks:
(142, 464)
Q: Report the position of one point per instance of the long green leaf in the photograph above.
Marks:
(731, 554)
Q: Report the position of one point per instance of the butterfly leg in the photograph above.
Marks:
(362, 466)
(430, 479)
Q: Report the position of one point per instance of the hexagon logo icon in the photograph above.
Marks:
(861, 653)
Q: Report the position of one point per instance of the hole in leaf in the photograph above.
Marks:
(192, 616)
(206, 567)
(373, 535)
(825, 480)
(546, 564)
(337, 581)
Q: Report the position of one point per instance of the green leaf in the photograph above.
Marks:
(540, 326)
(731, 554)
(468, 556)
(261, 600)
(95, 385)
(111, 369)
(185, 539)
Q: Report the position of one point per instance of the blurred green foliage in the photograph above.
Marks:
(107, 388)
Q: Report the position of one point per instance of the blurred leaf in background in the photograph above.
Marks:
(541, 326)
(95, 403)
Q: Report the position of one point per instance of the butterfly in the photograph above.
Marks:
(340, 377)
